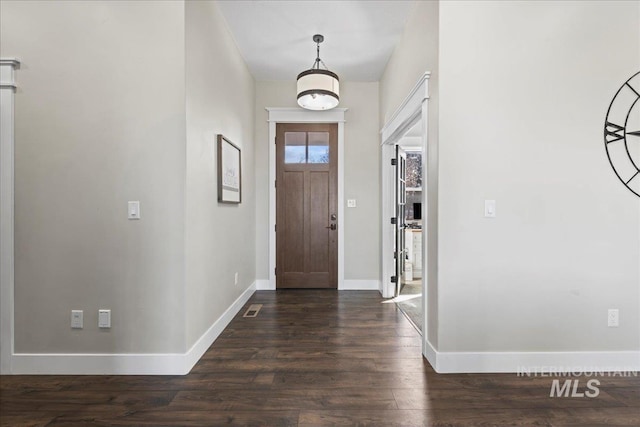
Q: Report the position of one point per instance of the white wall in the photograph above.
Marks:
(524, 90)
(220, 238)
(99, 121)
(415, 54)
(361, 181)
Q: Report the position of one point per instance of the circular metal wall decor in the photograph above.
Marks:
(622, 134)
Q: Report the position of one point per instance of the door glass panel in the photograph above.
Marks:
(414, 170)
(318, 147)
(295, 147)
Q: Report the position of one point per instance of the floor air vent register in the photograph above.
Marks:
(252, 311)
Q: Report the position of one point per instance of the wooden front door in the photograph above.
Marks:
(306, 205)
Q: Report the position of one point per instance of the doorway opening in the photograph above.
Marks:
(409, 295)
(411, 120)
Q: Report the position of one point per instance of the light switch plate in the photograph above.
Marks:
(489, 208)
(133, 210)
(351, 203)
(104, 318)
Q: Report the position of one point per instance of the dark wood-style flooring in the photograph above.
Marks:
(313, 358)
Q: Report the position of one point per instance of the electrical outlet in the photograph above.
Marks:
(104, 318)
(76, 319)
(235, 279)
(613, 318)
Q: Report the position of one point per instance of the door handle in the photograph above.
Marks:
(332, 226)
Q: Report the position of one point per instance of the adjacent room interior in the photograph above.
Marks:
(411, 290)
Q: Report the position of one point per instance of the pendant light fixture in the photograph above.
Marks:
(318, 89)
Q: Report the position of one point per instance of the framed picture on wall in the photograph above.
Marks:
(229, 172)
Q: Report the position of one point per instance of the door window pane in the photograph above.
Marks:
(414, 170)
(295, 147)
(318, 147)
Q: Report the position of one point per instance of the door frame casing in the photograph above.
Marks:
(413, 109)
(298, 115)
(8, 87)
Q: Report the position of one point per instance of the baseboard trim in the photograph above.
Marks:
(532, 362)
(264, 285)
(204, 342)
(360, 285)
(128, 364)
(430, 354)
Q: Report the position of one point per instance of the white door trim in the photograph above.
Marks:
(8, 66)
(298, 115)
(413, 109)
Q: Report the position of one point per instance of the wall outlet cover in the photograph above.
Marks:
(104, 318)
(613, 318)
(76, 319)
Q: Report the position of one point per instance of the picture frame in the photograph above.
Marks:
(229, 172)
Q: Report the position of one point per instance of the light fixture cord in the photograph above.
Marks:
(318, 60)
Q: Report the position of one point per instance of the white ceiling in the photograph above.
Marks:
(275, 37)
